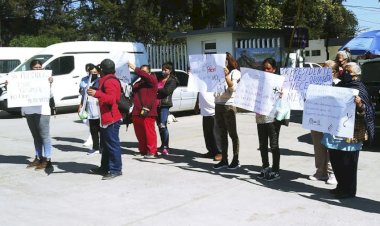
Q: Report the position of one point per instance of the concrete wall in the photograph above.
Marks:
(223, 40)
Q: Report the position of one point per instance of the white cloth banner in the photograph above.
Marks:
(298, 79)
(121, 66)
(28, 88)
(258, 91)
(330, 109)
(207, 73)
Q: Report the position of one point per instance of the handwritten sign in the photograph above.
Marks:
(207, 72)
(122, 70)
(258, 91)
(28, 88)
(298, 79)
(330, 109)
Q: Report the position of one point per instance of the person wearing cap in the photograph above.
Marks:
(108, 94)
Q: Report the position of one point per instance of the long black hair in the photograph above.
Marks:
(170, 66)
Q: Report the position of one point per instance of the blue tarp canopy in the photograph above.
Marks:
(367, 42)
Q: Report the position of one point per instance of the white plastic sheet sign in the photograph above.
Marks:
(258, 91)
(207, 73)
(330, 109)
(28, 88)
(297, 80)
(121, 66)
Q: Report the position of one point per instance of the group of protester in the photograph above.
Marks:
(152, 100)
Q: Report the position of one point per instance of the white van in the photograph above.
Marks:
(67, 61)
(11, 57)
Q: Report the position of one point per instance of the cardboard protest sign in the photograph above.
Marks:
(330, 109)
(207, 72)
(297, 80)
(121, 66)
(258, 91)
(28, 88)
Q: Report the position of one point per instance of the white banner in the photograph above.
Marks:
(28, 88)
(298, 79)
(258, 91)
(330, 109)
(121, 66)
(207, 72)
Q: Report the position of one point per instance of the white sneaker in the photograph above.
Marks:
(315, 177)
(88, 142)
(331, 180)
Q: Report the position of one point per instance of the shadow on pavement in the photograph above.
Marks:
(306, 138)
(67, 148)
(73, 167)
(68, 139)
(14, 159)
(249, 173)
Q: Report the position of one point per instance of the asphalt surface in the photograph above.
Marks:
(179, 189)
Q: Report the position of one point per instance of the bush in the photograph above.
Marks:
(34, 41)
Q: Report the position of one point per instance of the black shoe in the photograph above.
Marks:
(263, 173)
(234, 164)
(222, 164)
(110, 176)
(97, 171)
(272, 176)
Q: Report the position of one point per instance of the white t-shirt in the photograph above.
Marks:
(207, 103)
(227, 97)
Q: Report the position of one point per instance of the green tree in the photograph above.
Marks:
(34, 41)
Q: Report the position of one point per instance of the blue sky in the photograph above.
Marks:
(367, 12)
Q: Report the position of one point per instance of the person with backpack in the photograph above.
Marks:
(108, 95)
(144, 112)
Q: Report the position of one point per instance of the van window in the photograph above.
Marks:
(182, 78)
(8, 65)
(61, 65)
(26, 65)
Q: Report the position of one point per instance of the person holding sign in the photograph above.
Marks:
(144, 112)
(344, 152)
(89, 107)
(225, 114)
(166, 86)
(38, 119)
(269, 128)
(324, 171)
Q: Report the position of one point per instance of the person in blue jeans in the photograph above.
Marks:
(166, 86)
(108, 94)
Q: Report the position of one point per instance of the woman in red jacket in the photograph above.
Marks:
(144, 112)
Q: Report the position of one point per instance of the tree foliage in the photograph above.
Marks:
(149, 21)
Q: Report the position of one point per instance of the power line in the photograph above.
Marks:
(368, 8)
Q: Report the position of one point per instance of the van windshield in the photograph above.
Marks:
(26, 65)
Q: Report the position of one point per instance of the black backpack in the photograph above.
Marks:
(125, 103)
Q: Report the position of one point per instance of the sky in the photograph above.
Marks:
(367, 13)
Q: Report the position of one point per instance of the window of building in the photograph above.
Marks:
(316, 52)
(209, 47)
(307, 53)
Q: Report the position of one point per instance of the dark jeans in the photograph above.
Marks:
(225, 116)
(94, 130)
(209, 133)
(162, 123)
(271, 131)
(345, 167)
(111, 153)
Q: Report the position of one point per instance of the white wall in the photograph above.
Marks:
(316, 45)
(224, 43)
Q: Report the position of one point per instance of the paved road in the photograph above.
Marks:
(180, 189)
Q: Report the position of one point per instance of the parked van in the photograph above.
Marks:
(67, 61)
(11, 57)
